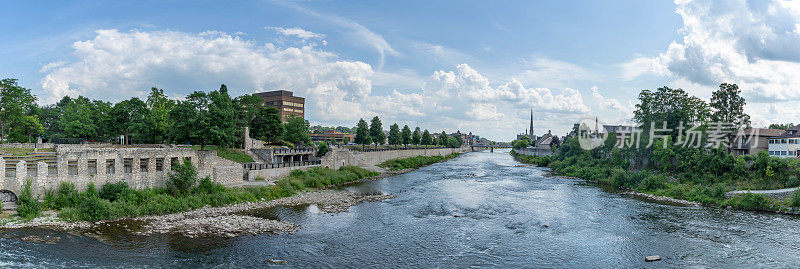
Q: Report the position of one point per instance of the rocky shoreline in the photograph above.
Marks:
(214, 221)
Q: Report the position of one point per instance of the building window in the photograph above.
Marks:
(159, 164)
(92, 167)
(173, 162)
(72, 167)
(127, 165)
(111, 166)
(143, 165)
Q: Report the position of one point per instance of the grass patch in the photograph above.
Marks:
(415, 162)
(22, 152)
(230, 154)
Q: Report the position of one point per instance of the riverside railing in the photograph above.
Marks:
(293, 151)
(262, 166)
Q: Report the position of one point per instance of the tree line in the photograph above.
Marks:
(373, 133)
(203, 118)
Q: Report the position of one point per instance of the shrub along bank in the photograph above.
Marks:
(698, 175)
(184, 192)
(416, 162)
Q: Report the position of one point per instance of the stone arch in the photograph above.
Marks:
(7, 196)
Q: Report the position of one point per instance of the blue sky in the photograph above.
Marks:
(475, 66)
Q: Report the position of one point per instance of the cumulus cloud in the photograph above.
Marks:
(613, 105)
(115, 65)
(751, 43)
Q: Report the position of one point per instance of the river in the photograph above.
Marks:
(482, 209)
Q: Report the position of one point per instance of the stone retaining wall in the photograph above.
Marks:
(342, 157)
(139, 167)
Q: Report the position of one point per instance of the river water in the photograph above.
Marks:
(482, 210)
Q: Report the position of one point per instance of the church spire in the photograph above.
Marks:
(531, 129)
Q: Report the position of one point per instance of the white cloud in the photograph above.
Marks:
(613, 105)
(351, 28)
(115, 65)
(751, 43)
(297, 32)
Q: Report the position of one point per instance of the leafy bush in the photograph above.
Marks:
(748, 201)
(70, 214)
(93, 208)
(415, 162)
(113, 191)
(28, 206)
(322, 149)
(795, 200)
(68, 196)
(182, 180)
(652, 182)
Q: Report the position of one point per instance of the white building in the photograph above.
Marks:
(787, 145)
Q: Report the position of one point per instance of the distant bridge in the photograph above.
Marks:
(489, 147)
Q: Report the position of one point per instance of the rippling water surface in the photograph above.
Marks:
(481, 209)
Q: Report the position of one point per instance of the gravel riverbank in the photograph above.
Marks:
(216, 221)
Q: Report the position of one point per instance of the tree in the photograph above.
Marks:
(728, 105)
(129, 118)
(15, 104)
(221, 114)
(376, 131)
(248, 108)
(362, 133)
(780, 126)
(394, 135)
(297, 131)
(443, 139)
(29, 129)
(84, 118)
(322, 149)
(158, 119)
(672, 106)
(191, 121)
(426, 138)
(520, 143)
(267, 124)
(406, 135)
(416, 137)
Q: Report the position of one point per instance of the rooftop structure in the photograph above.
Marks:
(288, 104)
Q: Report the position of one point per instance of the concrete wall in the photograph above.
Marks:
(534, 152)
(139, 167)
(342, 157)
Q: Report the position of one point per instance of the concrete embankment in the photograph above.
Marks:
(780, 193)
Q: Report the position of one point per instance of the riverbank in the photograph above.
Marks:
(227, 220)
(664, 189)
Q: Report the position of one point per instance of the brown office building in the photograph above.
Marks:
(288, 104)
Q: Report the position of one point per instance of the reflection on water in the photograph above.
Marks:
(481, 209)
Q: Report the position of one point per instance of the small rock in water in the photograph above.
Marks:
(545, 226)
(652, 258)
(276, 261)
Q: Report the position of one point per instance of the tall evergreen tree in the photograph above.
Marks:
(221, 113)
(416, 137)
(406, 135)
(362, 133)
(443, 139)
(426, 138)
(394, 135)
(376, 131)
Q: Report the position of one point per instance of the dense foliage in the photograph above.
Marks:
(666, 168)
(415, 162)
(202, 118)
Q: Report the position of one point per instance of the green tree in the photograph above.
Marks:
(780, 126)
(29, 128)
(221, 113)
(267, 125)
(362, 133)
(416, 137)
(158, 119)
(426, 138)
(297, 131)
(394, 135)
(406, 135)
(130, 118)
(443, 139)
(191, 121)
(376, 131)
(728, 105)
(322, 149)
(248, 109)
(84, 118)
(672, 106)
(15, 104)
